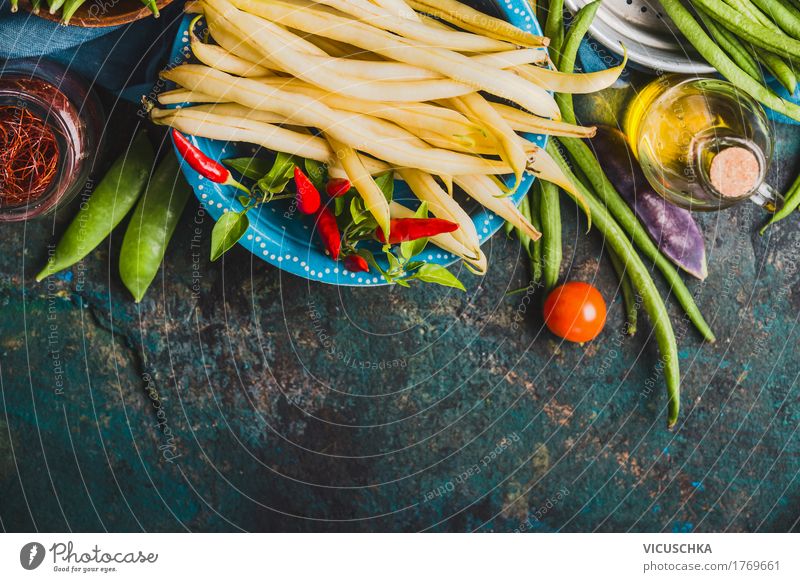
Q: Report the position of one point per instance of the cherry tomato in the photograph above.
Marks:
(575, 311)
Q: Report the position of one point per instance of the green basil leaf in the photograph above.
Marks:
(253, 168)
(406, 250)
(357, 210)
(395, 266)
(339, 204)
(227, 231)
(317, 173)
(412, 248)
(385, 182)
(282, 171)
(413, 265)
(433, 273)
(370, 258)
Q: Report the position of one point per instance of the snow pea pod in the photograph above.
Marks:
(114, 196)
(152, 226)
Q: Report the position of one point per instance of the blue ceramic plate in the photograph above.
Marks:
(291, 244)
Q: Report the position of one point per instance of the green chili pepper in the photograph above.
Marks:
(151, 226)
(107, 206)
(639, 274)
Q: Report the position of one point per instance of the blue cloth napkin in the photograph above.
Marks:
(122, 59)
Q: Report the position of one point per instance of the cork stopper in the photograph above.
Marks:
(735, 172)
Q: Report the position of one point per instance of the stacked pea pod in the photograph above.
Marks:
(69, 7)
(625, 235)
(157, 197)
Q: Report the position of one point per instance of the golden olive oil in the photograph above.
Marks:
(677, 126)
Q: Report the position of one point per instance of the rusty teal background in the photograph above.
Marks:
(236, 397)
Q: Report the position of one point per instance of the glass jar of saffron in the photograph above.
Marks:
(50, 130)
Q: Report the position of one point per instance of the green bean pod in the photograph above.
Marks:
(569, 52)
(535, 200)
(641, 280)
(785, 16)
(152, 226)
(587, 162)
(552, 251)
(36, 6)
(747, 8)
(628, 293)
(791, 202)
(113, 198)
(731, 45)
(741, 25)
(590, 168)
(554, 29)
(524, 239)
(690, 28)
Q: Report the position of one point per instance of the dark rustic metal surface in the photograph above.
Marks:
(236, 397)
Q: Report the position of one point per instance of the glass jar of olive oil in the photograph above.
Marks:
(703, 144)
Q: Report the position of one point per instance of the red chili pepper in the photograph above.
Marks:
(337, 187)
(202, 164)
(406, 229)
(308, 199)
(356, 263)
(329, 231)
